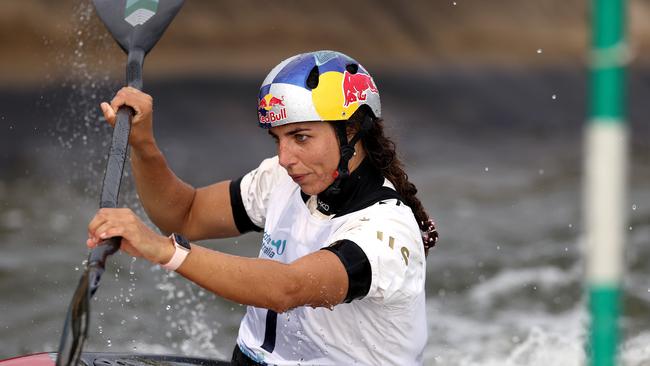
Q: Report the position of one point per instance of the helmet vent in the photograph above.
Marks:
(312, 78)
(352, 68)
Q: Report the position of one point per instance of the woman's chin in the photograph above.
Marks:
(308, 189)
(311, 189)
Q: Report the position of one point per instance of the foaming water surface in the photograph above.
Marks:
(495, 154)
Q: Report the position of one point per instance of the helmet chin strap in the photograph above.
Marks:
(346, 151)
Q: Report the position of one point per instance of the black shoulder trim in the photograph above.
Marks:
(242, 221)
(356, 265)
(380, 194)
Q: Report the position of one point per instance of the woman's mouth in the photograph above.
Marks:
(298, 177)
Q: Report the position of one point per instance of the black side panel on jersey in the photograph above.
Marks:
(242, 221)
(356, 265)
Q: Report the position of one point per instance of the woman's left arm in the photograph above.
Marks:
(318, 279)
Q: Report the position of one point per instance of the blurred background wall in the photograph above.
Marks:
(222, 37)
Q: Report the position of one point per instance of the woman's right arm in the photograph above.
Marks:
(170, 203)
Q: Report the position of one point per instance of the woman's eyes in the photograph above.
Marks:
(300, 137)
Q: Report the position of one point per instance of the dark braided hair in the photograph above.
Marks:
(380, 150)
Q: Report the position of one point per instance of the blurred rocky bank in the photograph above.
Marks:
(47, 40)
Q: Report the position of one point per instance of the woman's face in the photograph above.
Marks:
(309, 151)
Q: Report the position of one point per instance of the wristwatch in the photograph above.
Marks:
(182, 249)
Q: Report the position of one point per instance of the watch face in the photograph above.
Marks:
(180, 240)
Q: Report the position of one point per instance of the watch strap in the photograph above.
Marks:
(180, 253)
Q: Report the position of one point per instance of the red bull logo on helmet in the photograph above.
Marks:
(355, 87)
(271, 109)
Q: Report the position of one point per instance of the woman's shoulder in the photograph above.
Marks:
(390, 217)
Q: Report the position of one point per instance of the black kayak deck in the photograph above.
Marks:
(122, 359)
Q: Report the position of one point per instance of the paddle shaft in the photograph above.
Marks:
(116, 160)
(76, 326)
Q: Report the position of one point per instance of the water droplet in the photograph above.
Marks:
(454, 3)
(554, 97)
(634, 207)
(486, 169)
(539, 50)
(570, 226)
(76, 268)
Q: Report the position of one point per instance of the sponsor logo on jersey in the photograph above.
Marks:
(271, 247)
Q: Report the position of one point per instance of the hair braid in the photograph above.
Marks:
(380, 149)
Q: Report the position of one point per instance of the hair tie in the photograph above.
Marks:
(430, 233)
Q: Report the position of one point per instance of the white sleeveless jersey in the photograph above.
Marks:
(386, 327)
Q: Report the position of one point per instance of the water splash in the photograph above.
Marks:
(77, 124)
(190, 328)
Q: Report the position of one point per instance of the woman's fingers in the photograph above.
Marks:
(106, 224)
(134, 98)
(109, 230)
(142, 122)
(109, 113)
(137, 238)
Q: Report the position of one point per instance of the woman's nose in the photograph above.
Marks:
(285, 155)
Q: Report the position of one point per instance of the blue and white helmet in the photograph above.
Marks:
(315, 86)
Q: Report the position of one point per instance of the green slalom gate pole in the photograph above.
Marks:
(606, 179)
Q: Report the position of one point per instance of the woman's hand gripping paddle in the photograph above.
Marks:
(136, 25)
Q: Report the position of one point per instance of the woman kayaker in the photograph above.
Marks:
(340, 275)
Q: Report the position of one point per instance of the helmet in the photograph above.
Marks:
(316, 86)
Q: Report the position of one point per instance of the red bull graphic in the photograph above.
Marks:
(271, 109)
(355, 87)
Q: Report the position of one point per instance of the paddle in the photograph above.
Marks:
(136, 25)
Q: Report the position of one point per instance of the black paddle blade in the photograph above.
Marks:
(76, 325)
(137, 23)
